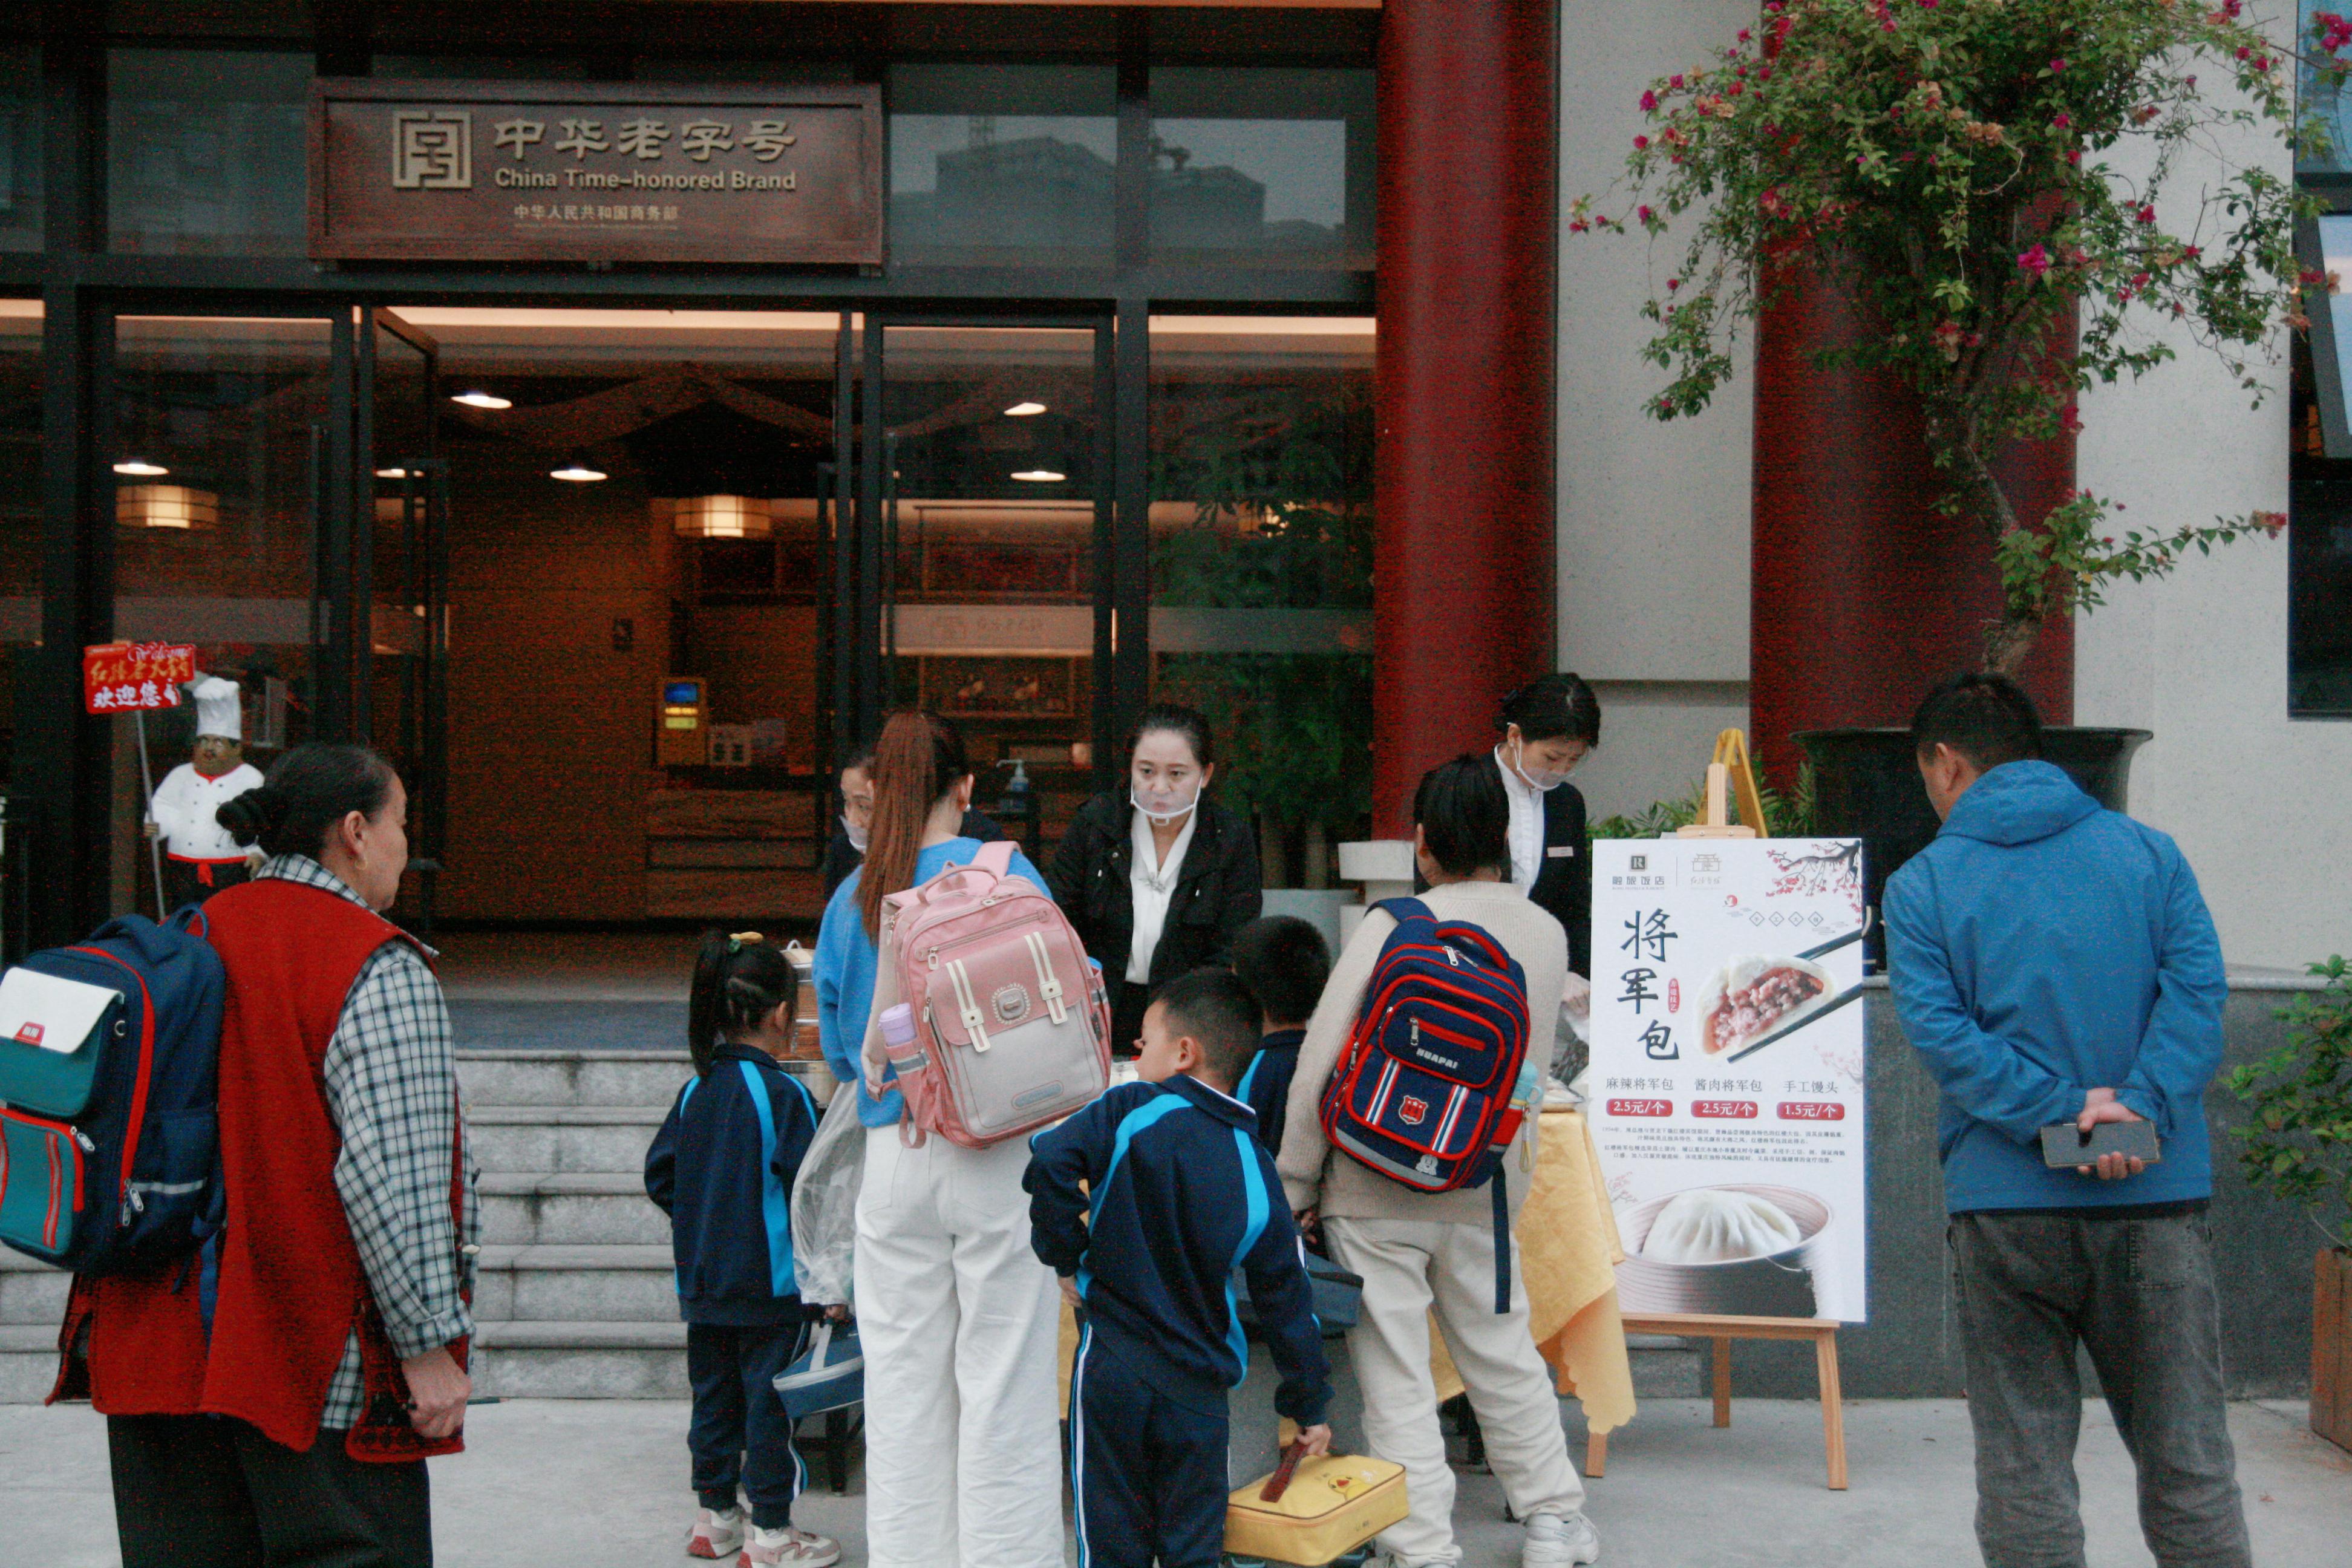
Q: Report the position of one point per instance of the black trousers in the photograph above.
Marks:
(1149, 1473)
(205, 1491)
(740, 1432)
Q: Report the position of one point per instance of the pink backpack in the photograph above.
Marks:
(1012, 1025)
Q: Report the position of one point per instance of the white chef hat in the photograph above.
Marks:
(218, 711)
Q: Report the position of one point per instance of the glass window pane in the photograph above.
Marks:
(1269, 167)
(1262, 566)
(2319, 501)
(20, 531)
(1002, 165)
(205, 152)
(20, 148)
(2323, 99)
(215, 418)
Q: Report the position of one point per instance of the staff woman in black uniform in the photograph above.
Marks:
(1547, 726)
(1157, 877)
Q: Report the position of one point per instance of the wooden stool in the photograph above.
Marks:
(1822, 1332)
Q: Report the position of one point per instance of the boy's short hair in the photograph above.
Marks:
(1216, 1008)
(1987, 719)
(1285, 961)
(1464, 815)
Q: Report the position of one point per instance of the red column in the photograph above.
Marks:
(1463, 469)
(1863, 596)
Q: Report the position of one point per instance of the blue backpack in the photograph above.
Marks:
(110, 1053)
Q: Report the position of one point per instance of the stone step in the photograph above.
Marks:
(31, 1292)
(526, 1208)
(542, 1360)
(575, 1284)
(517, 1075)
(563, 1138)
(28, 1361)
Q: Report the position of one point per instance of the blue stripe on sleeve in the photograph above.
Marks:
(1133, 1123)
(775, 1202)
(1260, 1210)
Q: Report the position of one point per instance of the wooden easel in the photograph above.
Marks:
(1715, 822)
(1822, 1332)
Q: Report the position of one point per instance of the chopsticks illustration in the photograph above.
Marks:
(1869, 918)
(1785, 1030)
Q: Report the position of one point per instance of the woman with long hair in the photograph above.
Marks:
(957, 1315)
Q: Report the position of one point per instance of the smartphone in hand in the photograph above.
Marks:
(2064, 1146)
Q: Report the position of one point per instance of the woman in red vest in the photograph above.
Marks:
(274, 1405)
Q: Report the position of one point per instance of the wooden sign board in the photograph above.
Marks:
(509, 171)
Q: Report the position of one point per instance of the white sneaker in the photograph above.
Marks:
(717, 1533)
(792, 1548)
(1557, 1543)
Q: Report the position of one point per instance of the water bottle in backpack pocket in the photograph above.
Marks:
(109, 1072)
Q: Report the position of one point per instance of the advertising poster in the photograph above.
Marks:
(1727, 1077)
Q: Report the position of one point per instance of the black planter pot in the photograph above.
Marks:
(1866, 786)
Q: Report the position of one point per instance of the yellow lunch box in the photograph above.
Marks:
(1332, 1504)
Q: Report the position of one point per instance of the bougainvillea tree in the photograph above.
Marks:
(1978, 176)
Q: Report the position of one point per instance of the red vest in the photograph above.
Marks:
(292, 1290)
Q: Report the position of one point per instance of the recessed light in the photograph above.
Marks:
(478, 399)
(391, 473)
(140, 467)
(1040, 477)
(1023, 410)
(577, 471)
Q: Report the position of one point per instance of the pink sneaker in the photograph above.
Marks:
(789, 1547)
(717, 1534)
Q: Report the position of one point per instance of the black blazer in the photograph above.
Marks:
(842, 857)
(1564, 881)
(1216, 891)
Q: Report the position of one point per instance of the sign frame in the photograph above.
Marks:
(863, 246)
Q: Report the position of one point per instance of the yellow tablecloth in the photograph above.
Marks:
(1568, 1252)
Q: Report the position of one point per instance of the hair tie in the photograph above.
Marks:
(741, 940)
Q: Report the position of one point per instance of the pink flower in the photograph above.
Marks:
(2062, 120)
(1673, 284)
(1640, 142)
(2261, 62)
(2057, 66)
(1744, 34)
(2075, 157)
(1649, 103)
(2036, 260)
(1642, 214)
(2243, 51)
(2146, 215)
(1674, 82)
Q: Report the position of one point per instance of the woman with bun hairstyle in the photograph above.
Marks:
(280, 1407)
(1155, 875)
(956, 1316)
(1547, 727)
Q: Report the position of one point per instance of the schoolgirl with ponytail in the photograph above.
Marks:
(956, 1316)
(722, 1168)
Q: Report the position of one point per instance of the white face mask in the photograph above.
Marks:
(858, 832)
(1543, 781)
(1162, 806)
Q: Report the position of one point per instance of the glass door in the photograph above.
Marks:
(978, 562)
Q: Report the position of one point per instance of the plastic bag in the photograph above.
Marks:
(825, 1203)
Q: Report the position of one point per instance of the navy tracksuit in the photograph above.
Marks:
(1267, 1084)
(721, 1167)
(1182, 1193)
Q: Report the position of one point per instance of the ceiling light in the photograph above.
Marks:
(480, 399)
(140, 467)
(1040, 477)
(1023, 409)
(576, 469)
(723, 517)
(165, 506)
(379, 473)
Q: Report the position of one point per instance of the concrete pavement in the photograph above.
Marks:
(601, 1484)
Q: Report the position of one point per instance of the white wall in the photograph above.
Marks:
(2256, 799)
(1653, 535)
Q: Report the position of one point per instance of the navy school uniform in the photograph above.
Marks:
(721, 1167)
(1182, 1193)
(1267, 1084)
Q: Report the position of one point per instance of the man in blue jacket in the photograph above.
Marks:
(2053, 963)
(1176, 1194)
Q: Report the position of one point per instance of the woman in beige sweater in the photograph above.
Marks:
(1420, 1251)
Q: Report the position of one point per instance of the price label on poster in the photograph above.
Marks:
(132, 677)
(1727, 1078)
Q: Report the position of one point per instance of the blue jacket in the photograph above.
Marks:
(721, 1167)
(1183, 1194)
(845, 962)
(2041, 947)
(1267, 1084)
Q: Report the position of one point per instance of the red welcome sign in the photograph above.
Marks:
(129, 678)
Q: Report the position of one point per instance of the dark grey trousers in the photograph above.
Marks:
(2139, 1294)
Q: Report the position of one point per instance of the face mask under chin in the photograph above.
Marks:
(1162, 808)
(858, 832)
(1543, 781)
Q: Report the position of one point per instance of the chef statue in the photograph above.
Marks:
(200, 858)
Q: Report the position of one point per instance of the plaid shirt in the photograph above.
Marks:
(390, 1077)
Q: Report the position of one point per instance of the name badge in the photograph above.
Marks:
(1560, 852)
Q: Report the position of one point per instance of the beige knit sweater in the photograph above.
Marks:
(1316, 1177)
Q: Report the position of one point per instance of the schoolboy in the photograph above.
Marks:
(1284, 962)
(1183, 1194)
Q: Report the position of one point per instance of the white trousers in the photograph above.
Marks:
(958, 1319)
(1407, 1266)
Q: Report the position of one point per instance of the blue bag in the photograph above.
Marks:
(829, 1376)
(109, 1055)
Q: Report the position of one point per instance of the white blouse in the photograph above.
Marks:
(1152, 884)
(1527, 825)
